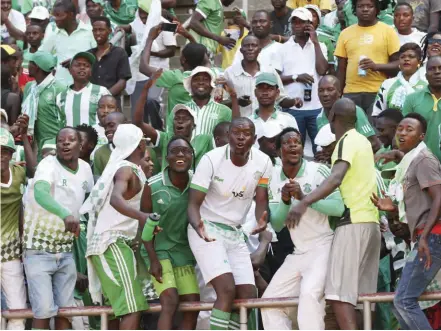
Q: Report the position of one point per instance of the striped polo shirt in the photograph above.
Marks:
(80, 107)
(209, 116)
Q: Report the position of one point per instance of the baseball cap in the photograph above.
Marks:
(198, 70)
(145, 5)
(181, 106)
(324, 137)
(6, 139)
(267, 78)
(44, 60)
(316, 9)
(39, 13)
(99, 2)
(7, 51)
(4, 114)
(269, 130)
(301, 13)
(88, 56)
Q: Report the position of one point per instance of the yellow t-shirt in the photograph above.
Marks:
(377, 42)
(228, 54)
(360, 180)
(322, 4)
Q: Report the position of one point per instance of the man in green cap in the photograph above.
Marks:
(13, 178)
(39, 98)
(79, 103)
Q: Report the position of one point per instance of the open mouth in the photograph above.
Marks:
(436, 49)
(180, 162)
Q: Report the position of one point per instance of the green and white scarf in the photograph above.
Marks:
(396, 186)
(405, 88)
(30, 104)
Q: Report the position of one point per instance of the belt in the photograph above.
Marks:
(435, 230)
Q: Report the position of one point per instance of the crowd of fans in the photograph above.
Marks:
(294, 153)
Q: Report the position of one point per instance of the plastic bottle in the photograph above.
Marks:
(361, 72)
(388, 235)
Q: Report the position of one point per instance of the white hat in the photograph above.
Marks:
(302, 13)
(39, 13)
(324, 137)
(180, 106)
(316, 9)
(269, 130)
(4, 114)
(197, 70)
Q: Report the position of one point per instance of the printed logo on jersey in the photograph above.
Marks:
(94, 98)
(64, 183)
(238, 194)
(218, 179)
(307, 188)
(257, 175)
(84, 185)
(49, 96)
(4, 140)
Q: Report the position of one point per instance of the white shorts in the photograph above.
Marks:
(221, 256)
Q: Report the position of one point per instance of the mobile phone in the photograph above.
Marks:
(169, 27)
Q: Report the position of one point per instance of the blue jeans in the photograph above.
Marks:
(51, 281)
(306, 121)
(412, 284)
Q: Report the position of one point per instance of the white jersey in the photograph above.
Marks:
(44, 230)
(268, 57)
(229, 189)
(313, 229)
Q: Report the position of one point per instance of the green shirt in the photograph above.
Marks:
(423, 103)
(326, 38)
(362, 125)
(168, 201)
(79, 249)
(11, 195)
(173, 80)
(101, 158)
(125, 13)
(48, 121)
(209, 116)
(213, 13)
(201, 144)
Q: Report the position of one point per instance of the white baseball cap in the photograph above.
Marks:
(269, 130)
(302, 13)
(180, 106)
(316, 9)
(4, 114)
(324, 137)
(198, 70)
(39, 13)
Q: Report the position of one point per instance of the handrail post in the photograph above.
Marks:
(367, 315)
(104, 324)
(243, 318)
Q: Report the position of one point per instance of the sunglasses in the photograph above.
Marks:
(434, 41)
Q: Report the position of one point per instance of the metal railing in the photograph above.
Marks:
(241, 305)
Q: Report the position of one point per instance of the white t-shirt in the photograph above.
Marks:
(414, 37)
(302, 63)
(313, 229)
(164, 39)
(268, 56)
(44, 230)
(229, 189)
(17, 19)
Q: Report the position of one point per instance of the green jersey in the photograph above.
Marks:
(327, 39)
(102, 156)
(426, 104)
(171, 203)
(209, 116)
(11, 195)
(173, 80)
(80, 107)
(213, 13)
(48, 121)
(362, 125)
(125, 13)
(201, 144)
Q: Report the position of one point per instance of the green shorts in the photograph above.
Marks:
(116, 269)
(182, 278)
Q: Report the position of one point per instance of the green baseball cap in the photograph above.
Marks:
(88, 56)
(44, 60)
(267, 78)
(6, 139)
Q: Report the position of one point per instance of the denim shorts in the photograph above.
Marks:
(51, 281)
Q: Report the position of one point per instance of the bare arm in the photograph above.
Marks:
(375, 143)
(195, 200)
(13, 107)
(117, 200)
(434, 22)
(13, 31)
(341, 70)
(169, 51)
(197, 26)
(138, 116)
(144, 65)
(30, 156)
(118, 87)
(261, 201)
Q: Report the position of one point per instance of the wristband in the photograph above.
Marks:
(149, 227)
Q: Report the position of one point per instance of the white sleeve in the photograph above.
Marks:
(204, 173)
(89, 178)
(45, 170)
(21, 22)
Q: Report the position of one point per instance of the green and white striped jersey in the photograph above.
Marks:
(209, 116)
(80, 107)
